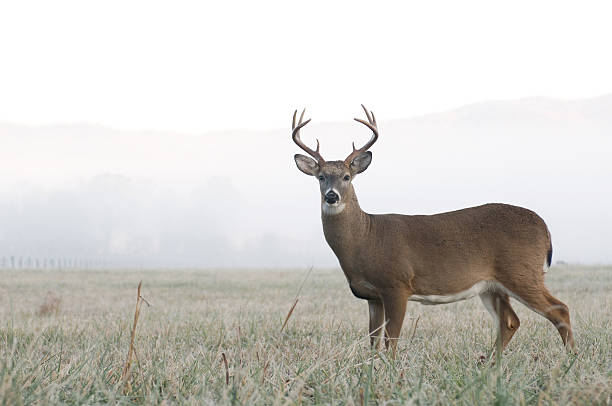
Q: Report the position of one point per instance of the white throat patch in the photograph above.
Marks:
(332, 209)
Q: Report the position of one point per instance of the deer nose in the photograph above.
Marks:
(331, 197)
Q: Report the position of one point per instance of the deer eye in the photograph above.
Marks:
(321, 178)
(347, 178)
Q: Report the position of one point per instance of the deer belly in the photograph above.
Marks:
(476, 289)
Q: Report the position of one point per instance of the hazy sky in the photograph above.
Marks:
(201, 66)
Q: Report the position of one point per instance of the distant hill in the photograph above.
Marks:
(527, 111)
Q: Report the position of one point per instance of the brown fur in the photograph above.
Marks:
(389, 258)
(444, 254)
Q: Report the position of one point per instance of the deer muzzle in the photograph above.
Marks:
(331, 197)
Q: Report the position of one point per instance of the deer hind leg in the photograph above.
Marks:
(542, 302)
(561, 320)
(506, 321)
(395, 310)
(377, 319)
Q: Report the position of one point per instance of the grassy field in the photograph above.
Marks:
(64, 338)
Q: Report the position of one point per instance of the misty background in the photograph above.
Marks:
(157, 134)
(236, 199)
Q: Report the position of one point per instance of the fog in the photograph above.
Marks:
(110, 197)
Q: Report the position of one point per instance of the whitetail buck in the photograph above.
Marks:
(495, 251)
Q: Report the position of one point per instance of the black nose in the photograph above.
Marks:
(331, 197)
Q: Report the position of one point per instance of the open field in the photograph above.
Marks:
(64, 338)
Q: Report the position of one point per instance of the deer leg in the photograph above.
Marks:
(395, 310)
(558, 313)
(554, 310)
(561, 320)
(377, 319)
(506, 321)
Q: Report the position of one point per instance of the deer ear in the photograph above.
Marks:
(307, 165)
(361, 162)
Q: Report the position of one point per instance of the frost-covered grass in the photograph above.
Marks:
(74, 353)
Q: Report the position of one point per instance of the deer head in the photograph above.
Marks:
(334, 177)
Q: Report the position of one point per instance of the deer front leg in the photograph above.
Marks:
(377, 319)
(394, 304)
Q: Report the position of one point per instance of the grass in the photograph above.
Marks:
(214, 337)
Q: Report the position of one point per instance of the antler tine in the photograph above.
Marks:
(296, 137)
(371, 124)
(367, 113)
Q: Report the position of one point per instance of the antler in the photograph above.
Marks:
(296, 137)
(371, 124)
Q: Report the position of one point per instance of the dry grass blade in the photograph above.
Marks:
(289, 314)
(263, 374)
(131, 351)
(296, 300)
(227, 376)
(416, 323)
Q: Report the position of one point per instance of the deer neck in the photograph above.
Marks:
(346, 229)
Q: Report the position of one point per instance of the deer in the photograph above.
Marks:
(495, 251)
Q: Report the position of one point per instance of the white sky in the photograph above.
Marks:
(201, 66)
